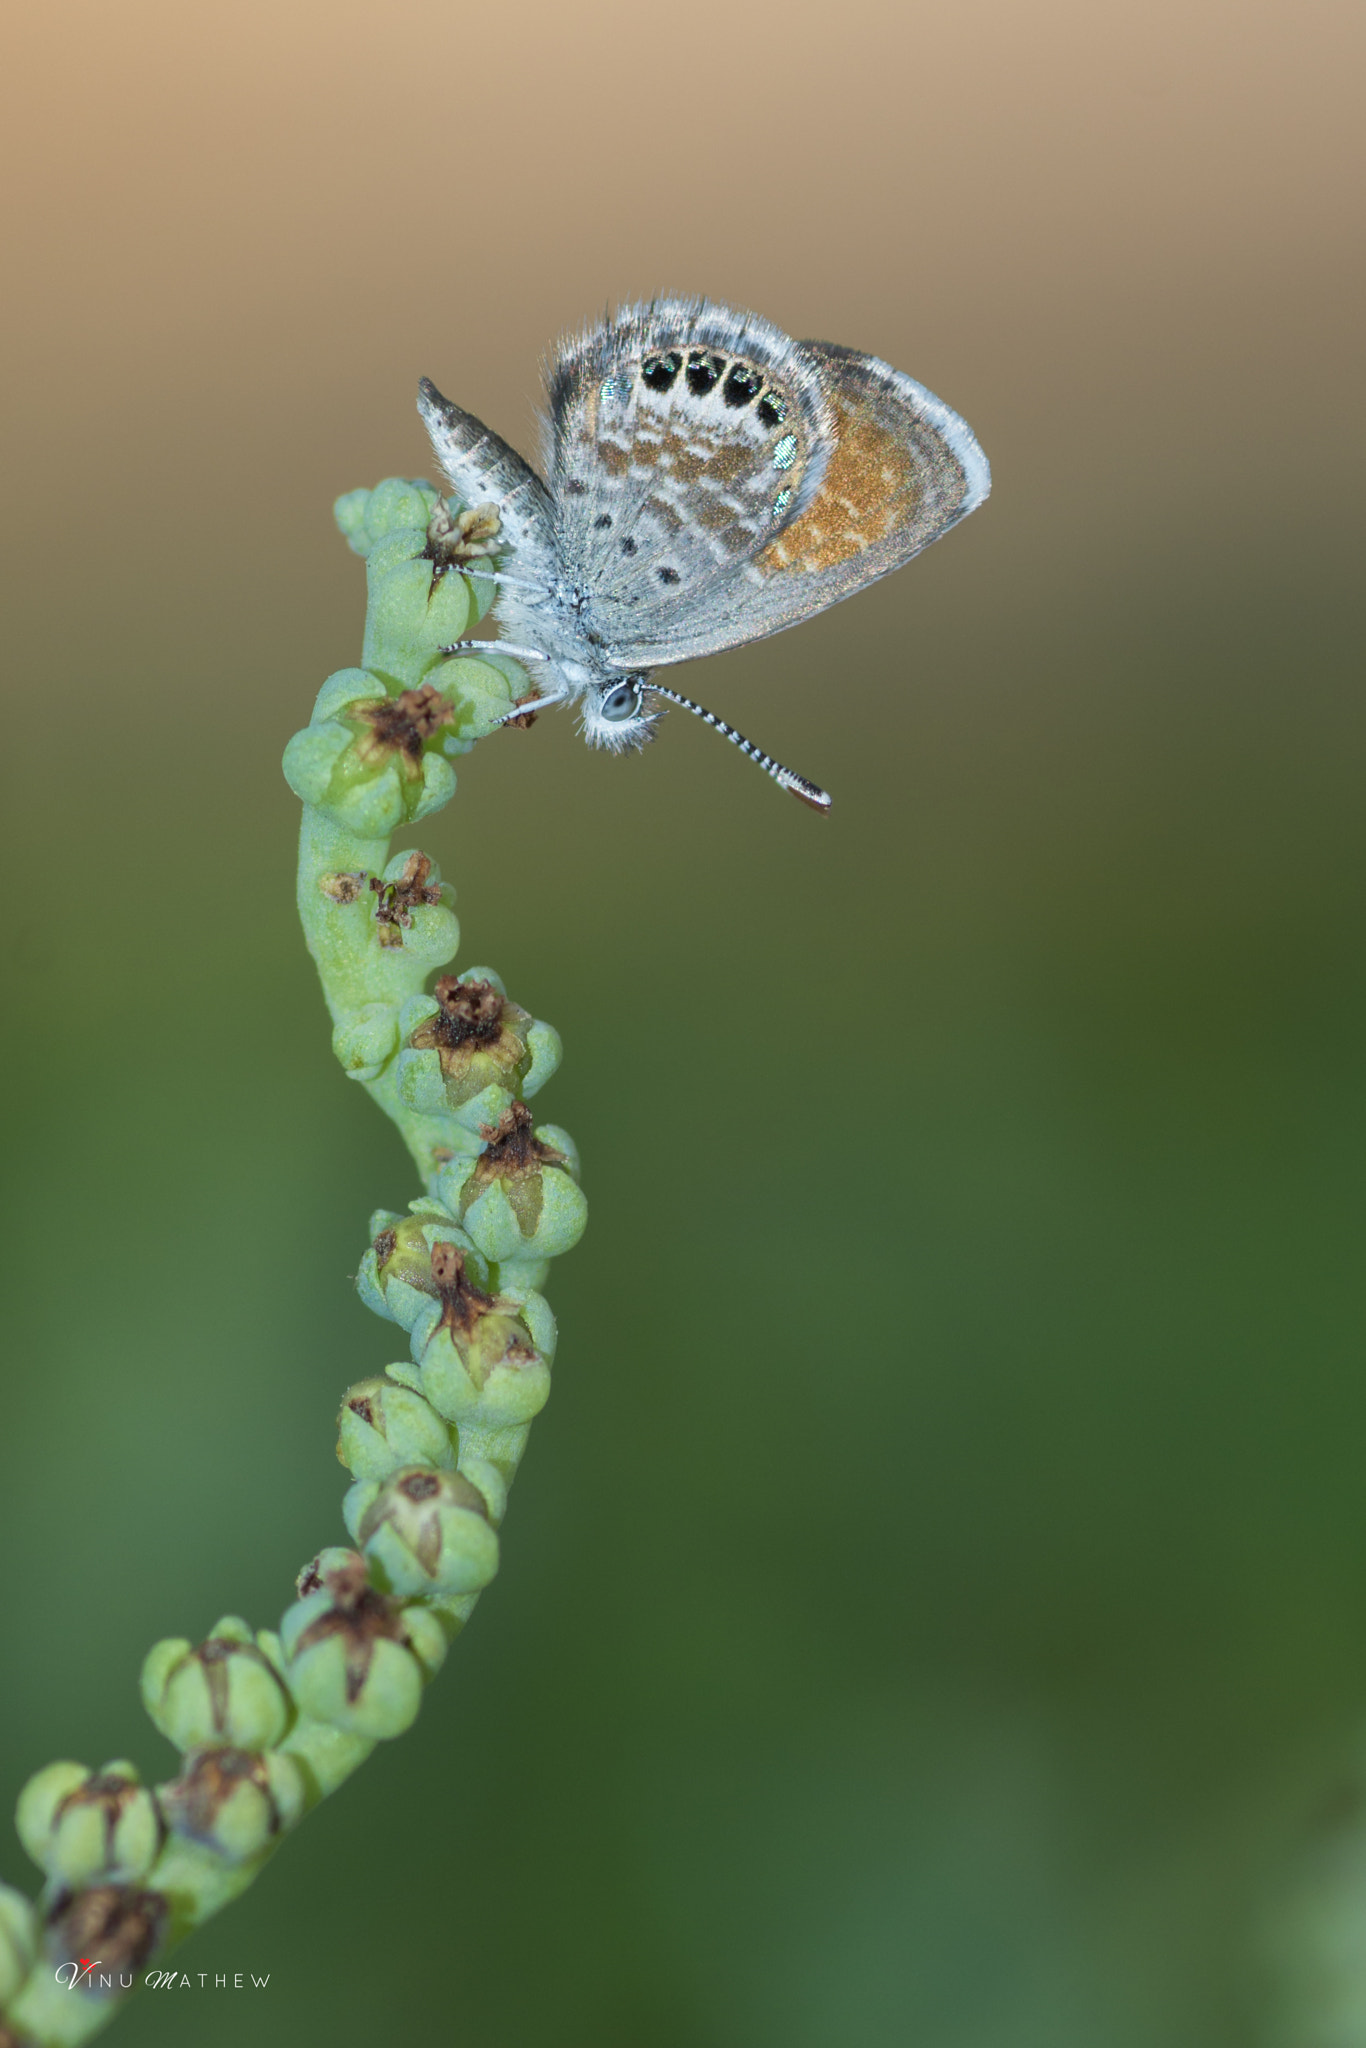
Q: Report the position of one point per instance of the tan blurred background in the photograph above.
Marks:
(936, 1590)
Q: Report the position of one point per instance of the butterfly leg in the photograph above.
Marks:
(525, 709)
(501, 579)
(494, 647)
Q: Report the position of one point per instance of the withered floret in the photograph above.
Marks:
(396, 901)
(479, 1037)
(119, 1923)
(400, 725)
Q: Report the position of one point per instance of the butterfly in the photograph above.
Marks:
(706, 481)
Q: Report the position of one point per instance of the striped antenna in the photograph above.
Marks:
(807, 792)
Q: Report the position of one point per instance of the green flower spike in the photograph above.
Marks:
(268, 1725)
(424, 1532)
(18, 1943)
(383, 1426)
(234, 1801)
(226, 1690)
(519, 1199)
(79, 1824)
(355, 1658)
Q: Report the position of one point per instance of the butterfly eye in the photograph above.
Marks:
(623, 702)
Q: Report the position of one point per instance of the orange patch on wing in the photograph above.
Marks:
(868, 488)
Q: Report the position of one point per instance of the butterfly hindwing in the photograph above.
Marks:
(900, 468)
(683, 437)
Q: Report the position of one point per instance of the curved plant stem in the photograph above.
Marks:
(268, 1722)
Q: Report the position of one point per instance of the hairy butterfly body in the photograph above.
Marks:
(707, 481)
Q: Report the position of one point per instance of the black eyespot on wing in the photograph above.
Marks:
(628, 546)
(603, 521)
(704, 372)
(772, 409)
(668, 576)
(742, 385)
(659, 372)
(572, 488)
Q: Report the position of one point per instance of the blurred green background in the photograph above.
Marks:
(938, 1585)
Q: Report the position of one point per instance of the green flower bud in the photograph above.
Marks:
(313, 753)
(423, 595)
(349, 513)
(395, 1277)
(116, 1924)
(79, 1824)
(472, 1051)
(226, 1690)
(518, 1199)
(370, 1283)
(235, 1801)
(18, 1941)
(492, 1483)
(355, 1658)
(483, 689)
(371, 767)
(427, 1532)
(401, 521)
(366, 517)
(344, 688)
(416, 606)
(331, 1570)
(365, 1040)
(475, 1351)
(383, 1426)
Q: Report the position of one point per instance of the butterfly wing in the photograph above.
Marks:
(481, 470)
(682, 438)
(697, 520)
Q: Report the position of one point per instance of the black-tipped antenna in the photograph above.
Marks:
(807, 792)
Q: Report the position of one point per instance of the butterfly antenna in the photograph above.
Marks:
(807, 792)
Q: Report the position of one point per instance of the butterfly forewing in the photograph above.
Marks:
(684, 438)
(482, 469)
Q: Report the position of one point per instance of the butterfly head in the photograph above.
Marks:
(618, 715)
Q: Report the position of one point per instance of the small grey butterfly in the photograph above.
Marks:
(707, 482)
